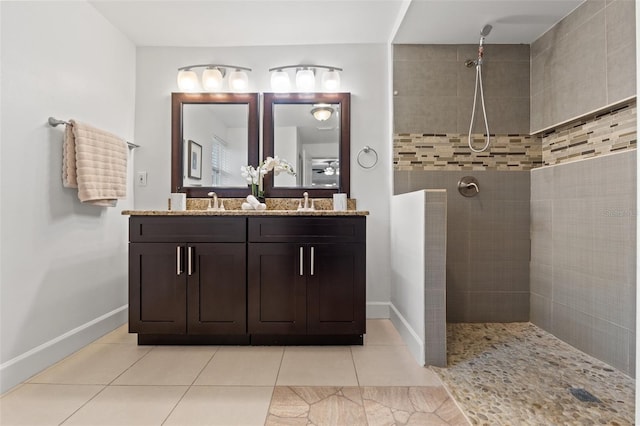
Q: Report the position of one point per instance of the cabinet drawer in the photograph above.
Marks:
(187, 229)
(307, 229)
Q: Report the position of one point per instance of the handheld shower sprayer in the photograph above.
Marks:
(478, 63)
(483, 33)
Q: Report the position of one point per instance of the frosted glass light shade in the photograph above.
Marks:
(238, 81)
(331, 81)
(280, 81)
(305, 80)
(187, 80)
(212, 79)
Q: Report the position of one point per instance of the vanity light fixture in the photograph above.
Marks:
(305, 78)
(321, 112)
(280, 82)
(212, 78)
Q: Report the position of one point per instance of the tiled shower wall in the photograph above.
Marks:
(583, 257)
(487, 235)
(584, 212)
(583, 220)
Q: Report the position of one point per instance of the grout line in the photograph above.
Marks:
(206, 364)
(355, 369)
(83, 405)
(275, 383)
(188, 388)
(131, 366)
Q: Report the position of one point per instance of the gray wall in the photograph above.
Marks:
(487, 243)
(583, 63)
(433, 90)
(487, 236)
(583, 217)
(583, 212)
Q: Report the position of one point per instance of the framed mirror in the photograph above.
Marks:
(312, 132)
(212, 135)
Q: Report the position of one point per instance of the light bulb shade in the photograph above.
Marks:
(331, 81)
(280, 81)
(305, 80)
(212, 79)
(187, 80)
(321, 112)
(238, 81)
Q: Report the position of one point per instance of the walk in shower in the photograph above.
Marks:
(550, 238)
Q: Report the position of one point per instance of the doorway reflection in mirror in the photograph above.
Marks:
(313, 142)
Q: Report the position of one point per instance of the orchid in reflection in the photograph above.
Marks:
(255, 176)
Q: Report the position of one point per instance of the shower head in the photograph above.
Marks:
(486, 30)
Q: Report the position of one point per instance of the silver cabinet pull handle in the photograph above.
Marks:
(178, 260)
(189, 256)
(301, 261)
(312, 256)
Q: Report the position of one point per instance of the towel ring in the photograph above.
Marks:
(366, 150)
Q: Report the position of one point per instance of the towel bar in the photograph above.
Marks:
(54, 122)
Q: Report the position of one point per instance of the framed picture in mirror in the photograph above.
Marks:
(195, 160)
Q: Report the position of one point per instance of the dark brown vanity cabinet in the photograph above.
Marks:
(187, 276)
(306, 276)
(247, 280)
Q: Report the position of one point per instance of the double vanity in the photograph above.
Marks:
(274, 276)
(247, 277)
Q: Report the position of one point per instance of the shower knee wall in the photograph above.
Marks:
(487, 242)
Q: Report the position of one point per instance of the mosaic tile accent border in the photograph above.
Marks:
(605, 133)
(412, 152)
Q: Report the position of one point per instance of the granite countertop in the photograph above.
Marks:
(275, 207)
(244, 213)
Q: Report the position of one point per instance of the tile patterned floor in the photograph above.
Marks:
(499, 374)
(329, 405)
(113, 381)
(517, 374)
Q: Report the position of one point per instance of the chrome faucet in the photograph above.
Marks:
(213, 203)
(306, 206)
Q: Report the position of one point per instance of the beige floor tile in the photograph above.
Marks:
(382, 332)
(317, 366)
(120, 335)
(168, 365)
(129, 405)
(222, 405)
(96, 364)
(390, 366)
(242, 366)
(36, 404)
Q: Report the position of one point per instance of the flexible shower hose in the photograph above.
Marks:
(484, 110)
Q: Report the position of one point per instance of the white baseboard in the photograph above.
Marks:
(408, 334)
(22, 367)
(377, 310)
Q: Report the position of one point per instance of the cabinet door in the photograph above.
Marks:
(217, 288)
(157, 288)
(277, 288)
(336, 289)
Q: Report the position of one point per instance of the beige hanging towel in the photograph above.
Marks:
(95, 162)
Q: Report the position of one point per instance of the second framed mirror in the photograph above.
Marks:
(312, 132)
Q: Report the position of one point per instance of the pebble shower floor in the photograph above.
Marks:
(518, 374)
